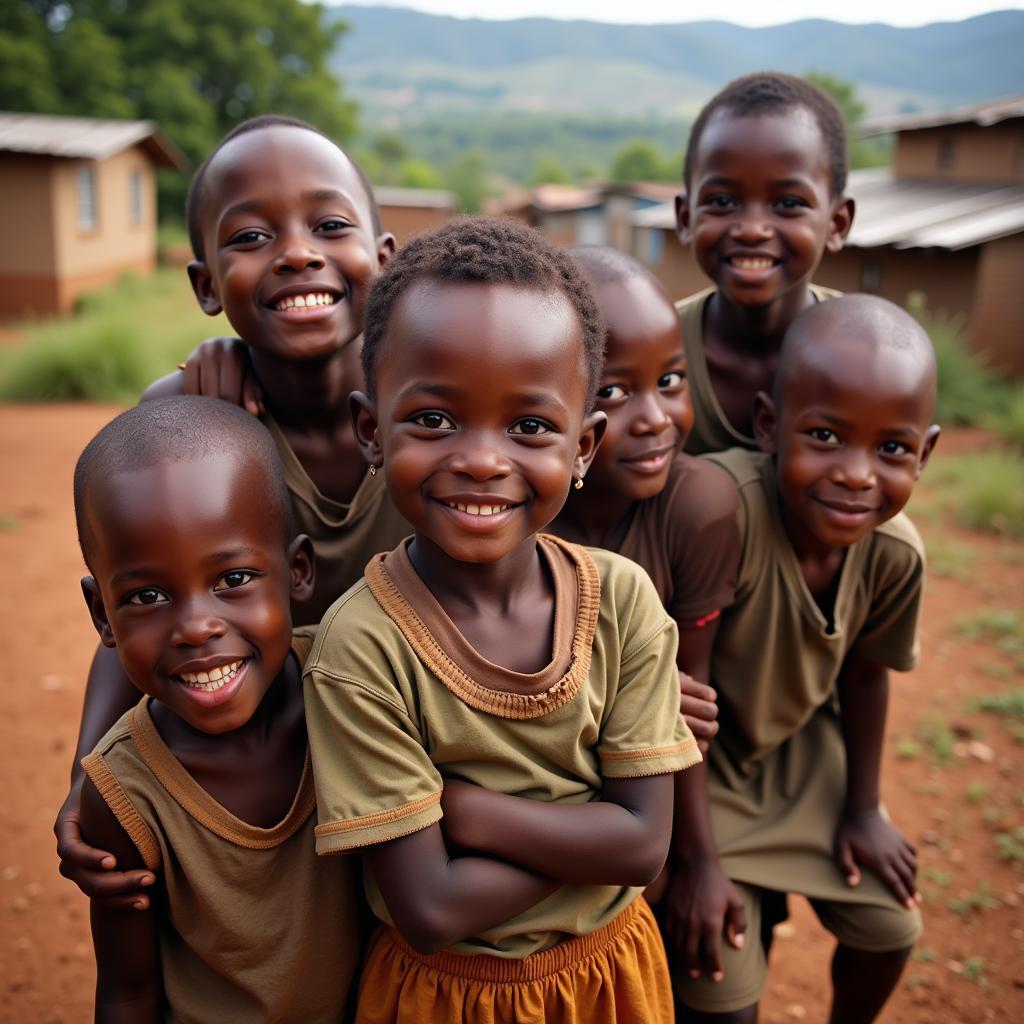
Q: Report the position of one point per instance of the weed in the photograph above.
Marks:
(976, 792)
(1016, 731)
(907, 748)
(937, 875)
(9, 522)
(974, 970)
(1009, 704)
(939, 740)
(984, 490)
(975, 902)
(997, 670)
(994, 815)
(991, 625)
(950, 559)
(925, 955)
(917, 980)
(1009, 420)
(1010, 845)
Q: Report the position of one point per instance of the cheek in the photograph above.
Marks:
(617, 425)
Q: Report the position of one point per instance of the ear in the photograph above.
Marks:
(302, 564)
(590, 438)
(385, 249)
(683, 218)
(97, 611)
(202, 285)
(364, 422)
(839, 224)
(931, 438)
(765, 423)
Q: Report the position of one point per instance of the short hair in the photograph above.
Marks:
(483, 250)
(603, 264)
(194, 200)
(772, 92)
(180, 428)
(869, 319)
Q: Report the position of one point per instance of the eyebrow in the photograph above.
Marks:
(317, 196)
(840, 422)
(144, 573)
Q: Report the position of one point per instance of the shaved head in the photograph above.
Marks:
(864, 328)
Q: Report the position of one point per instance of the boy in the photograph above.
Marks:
(207, 781)
(765, 174)
(278, 215)
(827, 601)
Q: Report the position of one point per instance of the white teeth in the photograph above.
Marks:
(212, 680)
(478, 510)
(304, 301)
(752, 262)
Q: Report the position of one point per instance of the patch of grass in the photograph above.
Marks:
(975, 970)
(991, 625)
(917, 980)
(983, 490)
(1008, 421)
(950, 559)
(1009, 704)
(937, 875)
(118, 341)
(975, 902)
(925, 955)
(939, 740)
(1010, 845)
(907, 748)
(9, 522)
(993, 815)
(997, 670)
(976, 792)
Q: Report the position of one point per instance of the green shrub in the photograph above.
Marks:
(1008, 422)
(984, 490)
(969, 389)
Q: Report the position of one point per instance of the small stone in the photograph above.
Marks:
(785, 930)
(52, 683)
(1011, 899)
(796, 1011)
(981, 752)
(955, 966)
(19, 904)
(10, 872)
(940, 814)
(930, 838)
(33, 889)
(1017, 934)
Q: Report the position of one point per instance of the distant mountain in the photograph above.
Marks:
(408, 65)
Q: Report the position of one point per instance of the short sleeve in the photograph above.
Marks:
(643, 732)
(889, 633)
(374, 778)
(705, 542)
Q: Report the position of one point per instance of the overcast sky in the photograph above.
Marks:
(742, 12)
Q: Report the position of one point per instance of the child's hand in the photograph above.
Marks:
(698, 899)
(870, 841)
(698, 704)
(219, 368)
(92, 870)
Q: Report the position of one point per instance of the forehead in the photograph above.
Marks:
(277, 161)
(787, 140)
(637, 313)
(139, 513)
(870, 380)
(484, 337)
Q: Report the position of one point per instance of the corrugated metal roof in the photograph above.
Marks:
(84, 138)
(422, 197)
(984, 113)
(911, 214)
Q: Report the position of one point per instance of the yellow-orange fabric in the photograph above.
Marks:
(616, 975)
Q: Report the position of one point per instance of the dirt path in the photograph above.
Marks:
(951, 798)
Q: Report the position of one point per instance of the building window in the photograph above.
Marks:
(87, 213)
(871, 277)
(135, 195)
(947, 152)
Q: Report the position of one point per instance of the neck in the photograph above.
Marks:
(598, 517)
(819, 563)
(756, 329)
(311, 393)
(476, 586)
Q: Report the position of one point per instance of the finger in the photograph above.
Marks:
(689, 687)
(703, 746)
(231, 383)
(701, 729)
(844, 857)
(691, 949)
(906, 876)
(712, 943)
(76, 855)
(129, 902)
(736, 929)
(252, 396)
(694, 708)
(895, 884)
(106, 885)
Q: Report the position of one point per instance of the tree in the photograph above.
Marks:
(872, 152)
(643, 161)
(549, 170)
(419, 174)
(195, 67)
(468, 179)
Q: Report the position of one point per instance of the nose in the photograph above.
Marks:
(197, 624)
(752, 226)
(855, 469)
(298, 252)
(479, 456)
(650, 416)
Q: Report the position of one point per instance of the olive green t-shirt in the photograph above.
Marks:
(396, 699)
(344, 537)
(712, 432)
(252, 924)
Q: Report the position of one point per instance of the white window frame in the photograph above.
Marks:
(88, 207)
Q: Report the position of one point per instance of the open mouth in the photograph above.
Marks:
(752, 262)
(214, 678)
(478, 510)
(305, 300)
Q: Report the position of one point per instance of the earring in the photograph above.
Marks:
(579, 483)
(373, 469)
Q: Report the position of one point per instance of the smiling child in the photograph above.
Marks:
(827, 602)
(522, 687)
(765, 175)
(277, 214)
(206, 781)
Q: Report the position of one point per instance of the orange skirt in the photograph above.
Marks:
(617, 974)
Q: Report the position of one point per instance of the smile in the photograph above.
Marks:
(478, 510)
(309, 299)
(214, 678)
(752, 262)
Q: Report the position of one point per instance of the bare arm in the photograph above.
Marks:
(129, 987)
(108, 694)
(436, 900)
(621, 839)
(216, 368)
(864, 836)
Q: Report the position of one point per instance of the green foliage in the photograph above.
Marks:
(549, 170)
(907, 748)
(1008, 421)
(419, 174)
(976, 792)
(1007, 705)
(990, 625)
(974, 902)
(969, 389)
(939, 740)
(468, 177)
(1010, 845)
(641, 160)
(975, 970)
(985, 490)
(194, 67)
(120, 341)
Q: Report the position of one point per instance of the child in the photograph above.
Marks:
(207, 780)
(521, 686)
(765, 174)
(829, 591)
(277, 215)
(676, 516)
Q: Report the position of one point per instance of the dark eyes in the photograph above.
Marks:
(893, 448)
(719, 201)
(674, 379)
(531, 426)
(232, 580)
(147, 596)
(611, 392)
(333, 224)
(433, 421)
(823, 435)
(248, 237)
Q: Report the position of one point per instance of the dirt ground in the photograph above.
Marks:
(951, 781)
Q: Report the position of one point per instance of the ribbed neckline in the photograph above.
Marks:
(407, 600)
(172, 775)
